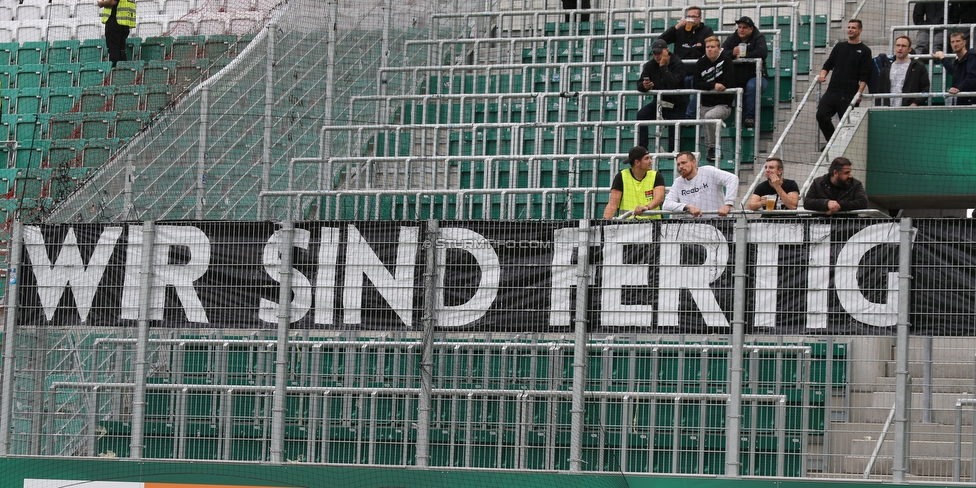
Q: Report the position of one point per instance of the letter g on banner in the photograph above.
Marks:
(845, 277)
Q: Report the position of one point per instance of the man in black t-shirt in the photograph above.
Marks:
(786, 192)
(851, 64)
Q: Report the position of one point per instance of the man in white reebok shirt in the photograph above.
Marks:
(698, 190)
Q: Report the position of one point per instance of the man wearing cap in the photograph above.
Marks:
(688, 37)
(664, 72)
(745, 74)
(637, 188)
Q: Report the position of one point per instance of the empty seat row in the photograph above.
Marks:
(145, 49)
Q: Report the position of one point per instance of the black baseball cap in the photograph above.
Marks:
(636, 153)
(658, 46)
(747, 21)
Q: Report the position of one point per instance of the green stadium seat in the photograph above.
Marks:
(65, 152)
(63, 74)
(126, 72)
(96, 98)
(97, 125)
(34, 52)
(158, 72)
(63, 99)
(64, 125)
(219, 45)
(158, 96)
(130, 123)
(98, 151)
(8, 53)
(31, 75)
(8, 76)
(27, 129)
(92, 51)
(63, 51)
(92, 74)
(31, 183)
(187, 47)
(34, 155)
(133, 47)
(8, 100)
(128, 98)
(32, 100)
(188, 72)
(156, 48)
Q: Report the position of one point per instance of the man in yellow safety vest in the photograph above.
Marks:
(119, 16)
(637, 188)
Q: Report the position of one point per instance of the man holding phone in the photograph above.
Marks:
(663, 72)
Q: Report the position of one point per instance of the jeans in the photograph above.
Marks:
(714, 112)
(749, 98)
(692, 99)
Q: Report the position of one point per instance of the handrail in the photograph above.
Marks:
(779, 143)
(957, 445)
(877, 445)
(822, 159)
(870, 212)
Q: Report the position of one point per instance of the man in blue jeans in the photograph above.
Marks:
(745, 74)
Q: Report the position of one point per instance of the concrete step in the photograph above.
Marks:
(873, 407)
(932, 449)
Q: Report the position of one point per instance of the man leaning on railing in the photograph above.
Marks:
(963, 70)
(837, 190)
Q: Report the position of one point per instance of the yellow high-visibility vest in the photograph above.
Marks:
(125, 13)
(638, 192)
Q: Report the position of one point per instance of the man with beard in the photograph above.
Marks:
(851, 63)
(836, 191)
(704, 189)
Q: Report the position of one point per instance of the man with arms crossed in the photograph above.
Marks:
(786, 192)
(698, 190)
(851, 64)
(836, 191)
(638, 188)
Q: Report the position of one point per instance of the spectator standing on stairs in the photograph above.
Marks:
(119, 16)
(851, 63)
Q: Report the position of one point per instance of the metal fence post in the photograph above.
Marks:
(427, 346)
(902, 385)
(579, 348)
(10, 337)
(734, 406)
(136, 443)
(281, 350)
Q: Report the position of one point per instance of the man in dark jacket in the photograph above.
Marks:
(688, 37)
(836, 191)
(963, 71)
(714, 72)
(664, 72)
(903, 75)
(745, 73)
